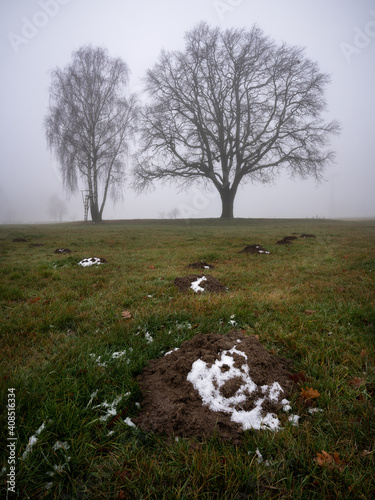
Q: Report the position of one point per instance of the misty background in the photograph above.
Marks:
(36, 36)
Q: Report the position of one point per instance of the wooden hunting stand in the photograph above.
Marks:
(86, 202)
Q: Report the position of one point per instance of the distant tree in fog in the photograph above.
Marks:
(233, 107)
(56, 208)
(89, 123)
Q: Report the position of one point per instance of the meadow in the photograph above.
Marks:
(74, 339)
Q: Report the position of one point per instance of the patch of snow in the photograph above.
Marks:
(90, 262)
(173, 350)
(208, 382)
(314, 410)
(260, 457)
(286, 405)
(294, 419)
(97, 360)
(195, 285)
(111, 407)
(129, 422)
(148, 337)
(32, 441)
(206, 267)
(232, 320)
(59, 445)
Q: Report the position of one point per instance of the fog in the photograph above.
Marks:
(37, 36)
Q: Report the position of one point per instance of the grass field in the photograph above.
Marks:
(312, 302)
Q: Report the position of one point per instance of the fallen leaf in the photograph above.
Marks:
(126, 314)
(364, 353)
(310, 311)
(151, 267)
(309, 393)
(356, 382)
(330, 461)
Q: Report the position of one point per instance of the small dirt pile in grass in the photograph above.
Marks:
(201, 265)
(200, 283)
(214, 383)
(62, 250)
(254, 249)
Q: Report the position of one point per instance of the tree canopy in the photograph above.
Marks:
(233, 107)
(89, 123)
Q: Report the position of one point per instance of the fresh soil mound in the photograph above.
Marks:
(283, 241)
(290, 238)
(199, 283)
(254, 249)
(62, 250)
(248, 385)
(307, 236)
(201, 265)
(36, 245)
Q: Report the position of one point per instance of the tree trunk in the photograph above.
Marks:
(227, 200)
(95, 213)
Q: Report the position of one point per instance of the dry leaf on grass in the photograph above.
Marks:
(308, 395)
(330, 461)
(126, 314)
(310, 311)
(356, 382)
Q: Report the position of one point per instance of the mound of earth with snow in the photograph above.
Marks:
(214, 383)
(201, 265)
(199, 283)
(91, 261)
(254, 249)
(62, 250)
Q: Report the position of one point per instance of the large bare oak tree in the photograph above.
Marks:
(233, 107)
(89, 123)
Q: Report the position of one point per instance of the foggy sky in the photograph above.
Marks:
(36, 36)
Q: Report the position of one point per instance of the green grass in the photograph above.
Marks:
(54, 314)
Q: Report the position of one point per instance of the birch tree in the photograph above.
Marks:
(90, 121)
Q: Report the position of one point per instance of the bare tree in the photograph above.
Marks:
(89, 123)
(56, 207)
(233, 107)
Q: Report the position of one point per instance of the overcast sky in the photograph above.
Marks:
(38, 35)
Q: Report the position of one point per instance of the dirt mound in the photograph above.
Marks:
(19, 240)
(307, 236)
(284, 241)
(200, 283)
(36, 245)
(201, 265)
(214, 383)
(290, 238)
(254, 249)
(62, 250)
